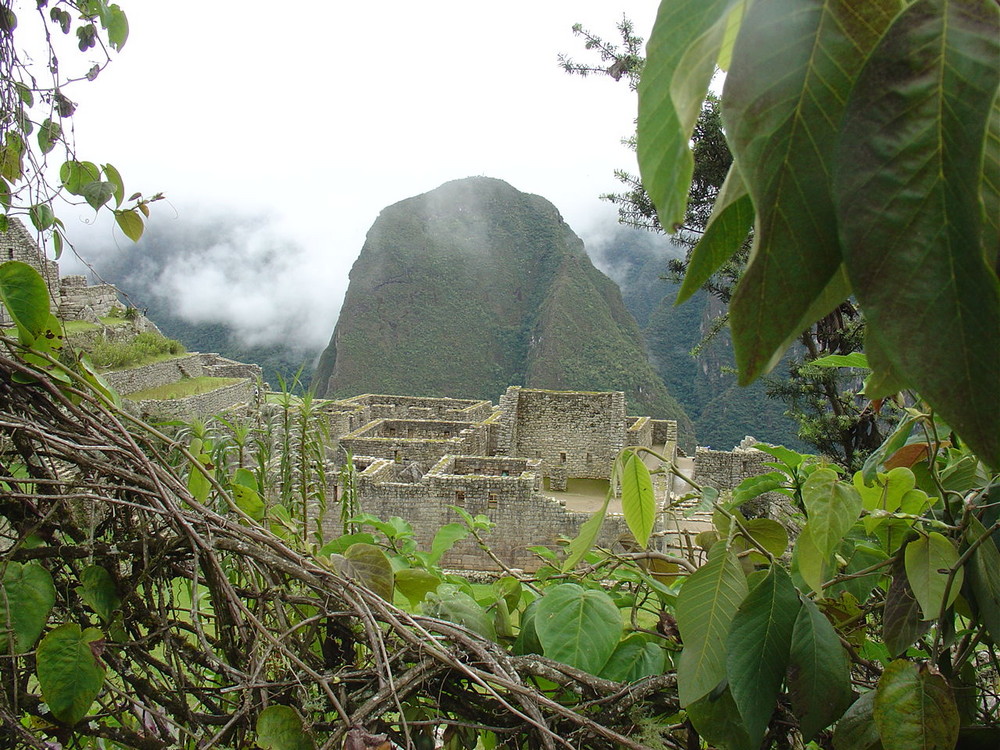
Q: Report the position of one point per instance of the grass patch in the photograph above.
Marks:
(182, 388)
(78, 326)
(145, 348)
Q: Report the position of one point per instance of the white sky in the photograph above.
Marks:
(319, 114)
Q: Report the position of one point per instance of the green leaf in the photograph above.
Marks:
(706, 605)
(856, 729)
(680, 61)
(198, 484)
(718, 721)
(991, 189)
(915, 708)
(793, 67)
(445, 539)
(577, 626)
(756, 486)
(984, 579)
(77, 174)
(901, 622)
(907, 183)
(280, 728)
(810, 563)
(368, 565)
(41, 216)
(585, 538)
(26, 297)
(98, 591)
(819, 674)
(769, 534)
(249, 501)
(341, 543)
(832, 508)
(638, 503)
(415, 583)
(861, 558)
(117, 26)
(454, 605)
(114, 177)
(97, 193)
(758, 646)
(509, 589)
(854, 359)
(633, 659)
(68, 671)
(97, 381)
(895, 441)
(28, 597)
(928, 560)
(728, 227)
(11, 165)
(48, 135)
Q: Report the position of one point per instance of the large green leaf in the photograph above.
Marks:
(28, 597)
(758, 646)
(907, 185)
(832, 508)
(793, 66)
(68, 671)
(856, 729)
(98, 591)
(634, 658)
(452, 604)
(706, 605)
(585, 538)
(680, 61)
(915, 708)
(638, 502)
(26, 297)
(368, 565)
(819, 674)
(928, 560)
(984, 579)
(901, 621)
(718, 721)
(577, 626)
(416, 583)
(728, 226)
(444, 539)
(991, 189)
(280, 728)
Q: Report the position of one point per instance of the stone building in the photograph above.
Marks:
(71, 298)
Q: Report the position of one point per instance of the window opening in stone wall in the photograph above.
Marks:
(10, 253)
(447, 433)
(492, 502)
(392, 432)
(460, 499)
(505, 473)
(589, 458)
(538, 454)
(562, 458)
(395, 457)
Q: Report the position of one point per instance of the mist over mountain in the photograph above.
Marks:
(475, 286)
(722, 411)
(223, 283)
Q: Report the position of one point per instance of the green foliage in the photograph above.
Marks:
(280, 728)
(146, 347)
(69, 672)
(577, 626)
(841, 190)
(28, 597)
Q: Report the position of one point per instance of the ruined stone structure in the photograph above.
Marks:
(416, 457)
(71, 297)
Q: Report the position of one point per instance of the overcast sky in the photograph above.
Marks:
(313, 116)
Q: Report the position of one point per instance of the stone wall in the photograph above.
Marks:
(213, 402)
(726, 469)
(171, 370)
(377, 406)
(640, 432)
(78, 301)
(577, 432)
(422, 441)
(523, 516)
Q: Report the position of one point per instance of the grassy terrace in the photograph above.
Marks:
(182, 388)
